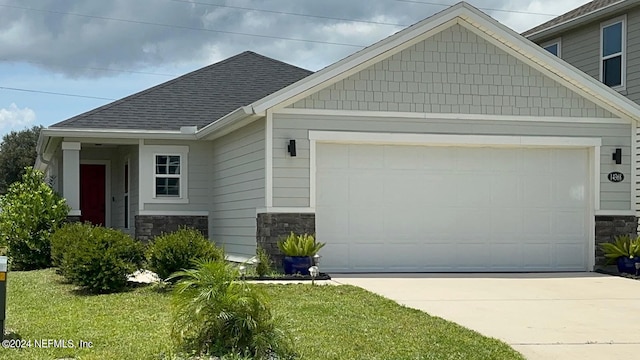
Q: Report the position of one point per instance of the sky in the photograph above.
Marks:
(60, 58)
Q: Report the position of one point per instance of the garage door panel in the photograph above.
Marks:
(335, 221)
(537, 191)
(506, 256)
(468, 194)
(366, 157)
(402, 157)
(475, 223)
(505, 161)
(472, 159)
(331, 156)
(436, 159)
(536, 255)
(334, 189)
(419, 208)
(335, 255)
(506, 190)
(363, 189)
(569, 255)
(538, 222)
(568, 223)
(538, 161)
(360, 223)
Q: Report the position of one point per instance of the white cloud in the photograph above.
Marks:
(15, 118)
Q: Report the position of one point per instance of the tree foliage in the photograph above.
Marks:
(29, 213)
(17, 151)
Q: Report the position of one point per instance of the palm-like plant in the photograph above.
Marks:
(623, 246)
(300, 245)
(216, 314)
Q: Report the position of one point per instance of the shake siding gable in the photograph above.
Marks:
(454, 71)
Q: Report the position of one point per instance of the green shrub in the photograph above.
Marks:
(65, 237)
(97, 258)
(216, 314)
(177, 251)
(264, 265)
(299, 245)
(623, 246)
(31, 212)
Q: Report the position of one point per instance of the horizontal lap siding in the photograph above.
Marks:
(237, 187)
(291, 174)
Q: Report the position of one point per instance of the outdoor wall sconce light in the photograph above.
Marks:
(291, 148)
(617, 156)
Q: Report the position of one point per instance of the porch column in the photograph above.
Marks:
(71, 180)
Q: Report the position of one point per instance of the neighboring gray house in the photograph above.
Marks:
(601, 38)
(453, 145)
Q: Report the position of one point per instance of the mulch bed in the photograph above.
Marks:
(616, 273)
(322, 276)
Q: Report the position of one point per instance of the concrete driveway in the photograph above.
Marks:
(543, 316)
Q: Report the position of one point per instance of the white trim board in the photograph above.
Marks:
(615, 213)
(173, 213)
(450, 140)
(285, 210)
(480, 117)
(268, 160)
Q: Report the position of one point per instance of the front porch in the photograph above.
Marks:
(100, 180)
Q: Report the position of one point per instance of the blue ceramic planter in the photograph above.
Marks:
(627, 265)
(297, 265)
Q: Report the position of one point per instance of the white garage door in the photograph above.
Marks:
(386, 208)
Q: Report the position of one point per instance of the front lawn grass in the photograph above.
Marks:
(346, 322)
(327, 322)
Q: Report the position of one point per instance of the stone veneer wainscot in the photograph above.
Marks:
(150, 226)
(273, 227)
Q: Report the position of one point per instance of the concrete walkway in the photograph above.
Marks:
(543, 316)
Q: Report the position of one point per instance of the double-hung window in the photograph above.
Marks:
(553, 47)
(164, 172)
(167, 175)
(612, 54)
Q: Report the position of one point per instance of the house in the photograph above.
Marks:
(602, 39)
(453, 145)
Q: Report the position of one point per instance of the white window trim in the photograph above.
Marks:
(178, 176)
(623, 76)
(148, 173)
(556, 41)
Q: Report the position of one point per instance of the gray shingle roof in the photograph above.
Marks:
(575, 13)
(197, 98)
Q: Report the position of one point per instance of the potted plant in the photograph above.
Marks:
(625, 251)
(298, 251)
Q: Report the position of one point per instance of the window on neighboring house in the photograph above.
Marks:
(167, 175)
(553, 47)
(126, 194)
(612, 60)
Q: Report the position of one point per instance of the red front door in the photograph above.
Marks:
(92, 193)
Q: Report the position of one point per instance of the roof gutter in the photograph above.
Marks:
(228, 120)
(571, 23)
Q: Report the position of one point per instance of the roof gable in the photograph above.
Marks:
(453, 72)
(194, 99)
(481, 25)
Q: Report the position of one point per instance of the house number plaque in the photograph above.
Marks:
(615, 176)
